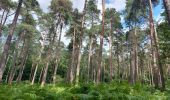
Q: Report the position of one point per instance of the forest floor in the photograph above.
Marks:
(104, 91)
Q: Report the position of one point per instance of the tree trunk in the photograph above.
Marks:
(111, 48)
(133, 68)
(31, 74)
(44, 75)
(34, 74)
(57, 58)
(162, 80)
(89, 58)
(80, 45)
(8, 41)
(24, 56)
(154, 48)
(1, 22)
(41, 73)
(15, 58)
(101, 44)
(167, 8)
(2, 25)
(21, 69)
(70, 70)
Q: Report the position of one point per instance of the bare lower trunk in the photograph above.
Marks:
(44, 75)
(70, 70)
(41, 73)
(133, 68)
(101, 44)
(80, 45)
(89, 58)
(110, 46)
(8, 41)
(34, 74)
(55, 72)
(15, 58)
(21, 69)
(31, 74)
(154, 48)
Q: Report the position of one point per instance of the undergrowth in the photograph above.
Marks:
(109, 91)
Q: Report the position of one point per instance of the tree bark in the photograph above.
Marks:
(154, 50)
(111, 48)
(1, 22)
(89, 58)
(133, 68)
(44, 75)
(167, 8)
(34, 74)
(57, 58)
(8, 41)
(15, 58)
(101, 44)
(80, 44)
(21, 69)
(70, 70)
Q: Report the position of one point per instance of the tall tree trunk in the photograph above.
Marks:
(57, 58)
(22, 69)
(15, 58)
(24, 56)
(133, 68)
(70, 70)
(167, 8)
(89, 58)
(162, 79)
(8, 41)
(111, 48)
(36, 68)
(154, 49)
(101, 44)
(80, 44)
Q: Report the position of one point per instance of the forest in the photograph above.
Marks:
(97, 52)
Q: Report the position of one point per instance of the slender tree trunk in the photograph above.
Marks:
(41, 73)
(21, 69)
(162, 80)
(31, 74)
(157, 68)
(111, 48)
(44, 75)
(34, 74)
(2, 17)
(133, 68)
(2, 25)
(167, 8)
(15, 58)
(57, 58)
(8, 41)
(4, 20)
(89, 58)
(80, 45)
(70, 70)
(101, 44)
(6, 80)
(1, 22)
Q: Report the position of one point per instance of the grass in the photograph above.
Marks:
(109, 91)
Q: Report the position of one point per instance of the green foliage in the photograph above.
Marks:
(111, 91)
